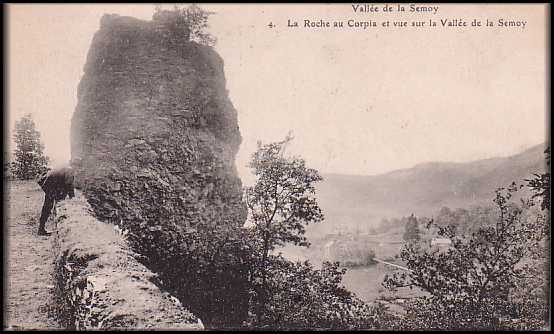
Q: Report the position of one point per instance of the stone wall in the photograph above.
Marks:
(99, 283)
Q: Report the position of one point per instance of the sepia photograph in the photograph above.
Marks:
(275, 167)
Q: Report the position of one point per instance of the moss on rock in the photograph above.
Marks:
(99, 283)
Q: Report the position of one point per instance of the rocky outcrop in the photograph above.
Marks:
(153, 141)
(100, 285)
(154, 129)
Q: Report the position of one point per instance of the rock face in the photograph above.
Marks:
(154, 135)
(154, 126)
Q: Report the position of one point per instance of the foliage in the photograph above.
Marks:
(303, 297)
(205, 265)
(7, 170)
(412, 230)
(541, 184)
(192, 21)
(76, 299)
(360, 258)
(465, 221)
(387, 224)
(350, 252)
(537, 282)
(286, 294)
(280, 204)
(283, 199)
(30, 160)
(474, 283)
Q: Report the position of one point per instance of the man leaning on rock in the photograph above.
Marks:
(57, 184)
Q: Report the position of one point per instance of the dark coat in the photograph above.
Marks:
(58, 183)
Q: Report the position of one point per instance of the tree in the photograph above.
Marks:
(192, 21)
(540, 273)
(280, 204)
(292, 294)
(475, 283)
(463, 220)
(412, 232)
(307, 298)
(30, 160)
(540, 184)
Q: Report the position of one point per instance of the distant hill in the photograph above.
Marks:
(352, 200)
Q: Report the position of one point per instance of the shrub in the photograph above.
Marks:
(484, 280)
(191, 22)
(303, 297)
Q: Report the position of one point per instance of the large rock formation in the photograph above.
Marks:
(154, 137)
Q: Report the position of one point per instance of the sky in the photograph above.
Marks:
(358, 101)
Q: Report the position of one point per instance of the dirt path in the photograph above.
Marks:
(29, 260)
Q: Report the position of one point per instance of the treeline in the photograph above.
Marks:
(350, 252)
(462, 220)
